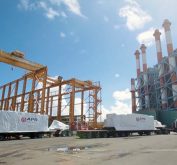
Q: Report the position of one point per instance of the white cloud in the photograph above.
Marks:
(74, 7)
(147, 37)
(52, 8)
(78, 107)
(56, 2)
(62, 35)
(63, 14)
(135, 16)
(43, 5)
(51, 13)
(122, 104)
(106, 19)
(104, 112)
(117, 75)
(122, 95)
(26, 5)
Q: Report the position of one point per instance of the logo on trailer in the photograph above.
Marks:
(23, 119)
(29, 119)
(140, 119)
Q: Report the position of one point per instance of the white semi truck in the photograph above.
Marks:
(16, 124)
(122, 125)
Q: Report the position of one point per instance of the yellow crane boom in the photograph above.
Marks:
(16, 58)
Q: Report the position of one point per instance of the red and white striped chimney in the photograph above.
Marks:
(171, 59)
(161, 68)
(158, 45)
(143, 50)
(137, 55)
(133, 95)
(166, 25)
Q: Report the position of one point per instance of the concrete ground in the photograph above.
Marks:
(135, 150)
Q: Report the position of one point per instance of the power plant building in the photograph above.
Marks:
(154, 91)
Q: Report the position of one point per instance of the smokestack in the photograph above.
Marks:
(166, 25)
(145, 76)
(171, 59)
(158, 45)
(137, 55)
(133, 95)
(143, 50)
(161, 68)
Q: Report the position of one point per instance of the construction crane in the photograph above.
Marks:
(23, 94)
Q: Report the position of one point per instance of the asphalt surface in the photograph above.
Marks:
(135, 150)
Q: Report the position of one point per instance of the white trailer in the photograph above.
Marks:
(122, 125)
(16, 124)
(129, 123)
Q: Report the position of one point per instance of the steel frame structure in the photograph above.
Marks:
(154, 88)
(36, 92)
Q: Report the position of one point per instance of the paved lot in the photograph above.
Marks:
(136, 150)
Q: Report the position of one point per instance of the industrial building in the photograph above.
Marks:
(154, 90)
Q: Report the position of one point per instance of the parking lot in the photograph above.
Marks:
(134, 150)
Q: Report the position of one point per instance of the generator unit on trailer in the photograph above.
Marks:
(122, 125)
(16, 124)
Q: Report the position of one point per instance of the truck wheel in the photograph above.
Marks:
(148, 133)
(105, 135)
(97, 135)
(89, 135)
(140, 133)
(39, 136)
(124, 134)
(127, 134)
(159, 132)
(32, 136)
(17, 137)
(116, 134)
(2, 137)
(166, 132)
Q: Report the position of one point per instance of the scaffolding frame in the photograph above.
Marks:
(154, 88)
(34, 93)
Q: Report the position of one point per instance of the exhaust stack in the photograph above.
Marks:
(143, 50)
(138, 70)
(133, 95)
(171, 59)
(161, 68)
(166, 25)
(158, 45)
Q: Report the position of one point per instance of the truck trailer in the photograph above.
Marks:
(122, 125)
(15, 124)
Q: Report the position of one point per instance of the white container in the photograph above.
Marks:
(130, 122)
(12, 121)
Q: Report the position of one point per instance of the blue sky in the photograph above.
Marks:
(86, 39)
